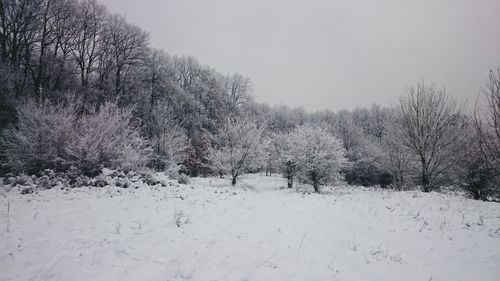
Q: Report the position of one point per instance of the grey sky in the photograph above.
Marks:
(323, 54)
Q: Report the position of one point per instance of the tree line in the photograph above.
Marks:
(81, 87)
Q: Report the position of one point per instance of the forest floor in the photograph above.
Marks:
(209, 230)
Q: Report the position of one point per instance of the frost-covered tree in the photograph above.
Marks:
(286, 158)
(397, 156)
(169, 142)
(38, 139)
(349, 133)
(269, 154)
(430, 125)
(106, 137)
(483, 157)
(487, 122)
(87, 40)
(237, 147)
(124, 49)
(238, 90)
(477, 177)
(319, 155)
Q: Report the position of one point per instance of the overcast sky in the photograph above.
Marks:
(326, 54)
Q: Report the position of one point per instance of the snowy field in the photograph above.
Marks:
(208, 230)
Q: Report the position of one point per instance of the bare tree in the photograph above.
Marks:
(431, 126)
(238, 90)
(487, 122)
(19, 27)
(127, 45)
(89, 28)
(63, 43)
(397, 158)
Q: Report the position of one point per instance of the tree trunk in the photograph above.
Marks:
(290, 181)
(315, 181)
(316, 186)
(233, 181)
(289, 174)
(425, 182)
(476, 194)
(425, 178)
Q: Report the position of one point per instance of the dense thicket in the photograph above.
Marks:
(81, 87)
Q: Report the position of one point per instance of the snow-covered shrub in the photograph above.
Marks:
(38, 139)
(81, 181)
(54, 136)
(22, 180)
(27, 190)
(100, 181)
(122, 182)
(183, 179)
(70, 175)
(173, 172)
(106, 137)
(44, 182)
(149, 179)
(319, 155)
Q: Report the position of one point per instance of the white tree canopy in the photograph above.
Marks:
(318, 154)
(237, 147)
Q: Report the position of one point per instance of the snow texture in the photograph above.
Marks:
(256, 230)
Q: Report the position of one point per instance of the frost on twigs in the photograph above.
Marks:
(318, 155)
(236, 147)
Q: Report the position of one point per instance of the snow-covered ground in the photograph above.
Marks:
(208, 230)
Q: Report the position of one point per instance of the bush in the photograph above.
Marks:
(385, 179)
(22, 180)
(149, 179)
(106, 138)
(54, 136)
(38, 139)
(480, 183)
(367, 174)
(183, 179)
